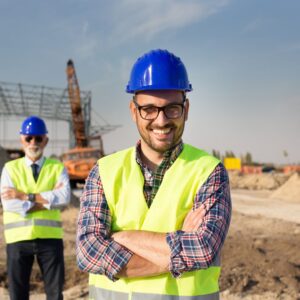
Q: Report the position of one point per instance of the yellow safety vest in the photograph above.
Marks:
(39, 224)
(123, 182)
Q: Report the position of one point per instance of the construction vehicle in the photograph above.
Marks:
(79, 160)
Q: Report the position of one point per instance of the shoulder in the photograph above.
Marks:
(53, 161)
(14, 162)
(219, 175)
(196, 153)
(117, 156)
(53, 165)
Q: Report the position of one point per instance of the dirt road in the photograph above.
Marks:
(260, 258)
(258, 203)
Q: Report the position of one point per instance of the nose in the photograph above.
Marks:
(161, 118)
(33, 142)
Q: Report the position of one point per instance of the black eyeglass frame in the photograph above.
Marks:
(38, 138)
(159, 109)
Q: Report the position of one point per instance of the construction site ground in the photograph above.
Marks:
(261, 255)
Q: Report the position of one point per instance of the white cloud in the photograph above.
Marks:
(86, 43)
(80, 40)
(144, 19)
(253, 26)
(85, 27)
(292, 47)
(86, 47)
(124, 21)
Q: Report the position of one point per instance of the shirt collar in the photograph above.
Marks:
(170, 154)
(39, 162)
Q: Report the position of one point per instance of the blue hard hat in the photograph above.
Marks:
(33, 126)
(158, 70)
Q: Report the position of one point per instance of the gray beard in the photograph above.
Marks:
(34, 154)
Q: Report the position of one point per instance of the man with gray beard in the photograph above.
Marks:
(33, 189)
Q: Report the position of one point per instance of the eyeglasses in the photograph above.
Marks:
(151, 112)
(37, 138)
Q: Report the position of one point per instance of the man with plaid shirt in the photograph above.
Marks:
(154, 217)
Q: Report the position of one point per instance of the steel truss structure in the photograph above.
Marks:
(22, 100)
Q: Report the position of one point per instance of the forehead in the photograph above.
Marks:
(156, 97)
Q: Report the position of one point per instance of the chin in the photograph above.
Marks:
(34, 154)
(162, 148)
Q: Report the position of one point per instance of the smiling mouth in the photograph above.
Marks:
(33, 149)
(162, 131)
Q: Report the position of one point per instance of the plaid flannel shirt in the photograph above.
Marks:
(97, 253)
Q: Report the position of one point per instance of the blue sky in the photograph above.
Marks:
(242, 56)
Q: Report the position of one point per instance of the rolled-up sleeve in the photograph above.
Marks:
(197, 250)
(96, 252)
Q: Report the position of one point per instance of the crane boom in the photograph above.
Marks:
(81, 139)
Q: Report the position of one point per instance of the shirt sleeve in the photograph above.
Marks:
(59, 196)
(13, 205)
(198, 250)
(96, 252)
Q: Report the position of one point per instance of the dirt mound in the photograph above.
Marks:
(264, 181)
(261, 255)
(290, 191)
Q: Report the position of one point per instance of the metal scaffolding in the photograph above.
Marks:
(46, 102)
(23, 100)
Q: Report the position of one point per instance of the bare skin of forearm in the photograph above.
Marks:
(12, 193)
(140, 267)
(38, 204)
(151, 246)
(40, 201)
(37, 207)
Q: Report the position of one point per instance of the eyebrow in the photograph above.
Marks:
(134, 99)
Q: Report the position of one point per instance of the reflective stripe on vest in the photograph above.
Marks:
(102, 294)
(31, 222)
(123, 182)
(39, 224)
(98, 293)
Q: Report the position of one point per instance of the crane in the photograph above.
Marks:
(77, 114)
(79, 160)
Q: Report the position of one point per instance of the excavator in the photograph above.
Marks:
(79, 160)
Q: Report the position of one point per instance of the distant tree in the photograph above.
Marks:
(222, 157)
(216, 154)
(286, 155)
(229, 154)
(248, 159)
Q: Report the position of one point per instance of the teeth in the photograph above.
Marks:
(162, 131)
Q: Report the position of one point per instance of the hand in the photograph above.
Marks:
(37, 207)
(9, 193)
(58, 185)
(194, 219)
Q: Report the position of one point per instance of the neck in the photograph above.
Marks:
(34, 159)
(152, 159)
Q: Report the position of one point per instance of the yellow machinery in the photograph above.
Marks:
(232, 163)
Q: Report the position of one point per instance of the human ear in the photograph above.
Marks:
(132, 110)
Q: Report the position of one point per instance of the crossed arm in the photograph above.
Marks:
(11, 193)
(143, 253)
(15, 200)
(151, 251)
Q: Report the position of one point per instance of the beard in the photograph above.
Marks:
(163, 146)
(34, 152)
